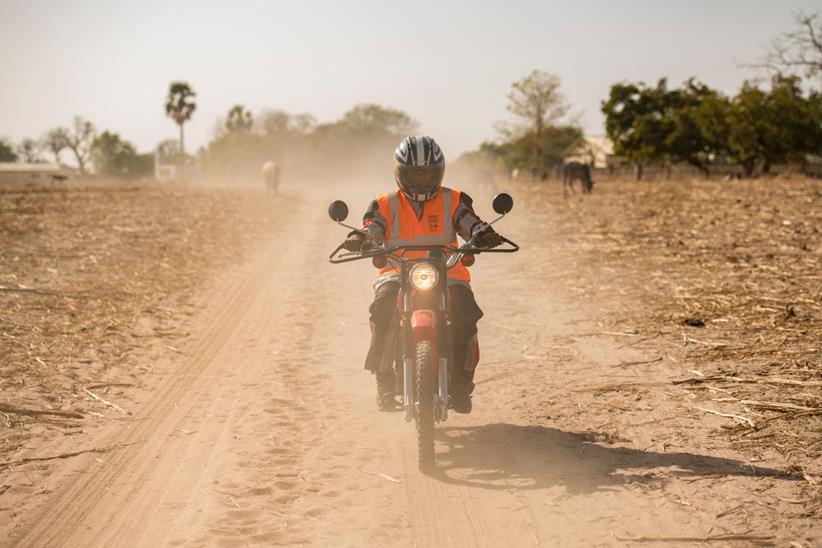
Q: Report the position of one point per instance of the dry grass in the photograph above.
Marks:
(91, 274)
(724, 277)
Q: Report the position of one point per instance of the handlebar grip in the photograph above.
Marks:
(376, 252)
(512, 244)
(337, 250)
(513, 249)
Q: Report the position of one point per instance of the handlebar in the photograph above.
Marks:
(463, 250)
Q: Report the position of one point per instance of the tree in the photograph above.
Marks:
(695, 124)
(556, 143)
(798, 50)
(168, 151)
(238, 120)
(636, 121)
(537, 100)
(7, 153)
(774, 126)
(659, 124)
(29, 151)
(361, 141)
(698, 130)
(711, 117)
(55, 140)
(370, 118)
(80, 137)
(279, 122)
(180, 106)
(274, 122)
(116, 157)
(303, 123)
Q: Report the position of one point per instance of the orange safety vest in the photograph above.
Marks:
(434, 227)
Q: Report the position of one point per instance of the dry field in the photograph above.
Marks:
(92, 274)
(178, 368)
(723, 279)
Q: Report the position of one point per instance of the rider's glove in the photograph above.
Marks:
(354, 242)
(486, 236)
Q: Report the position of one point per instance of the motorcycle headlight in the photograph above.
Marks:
(423, 276)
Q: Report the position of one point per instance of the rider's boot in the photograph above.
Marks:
(461, 393)
(385, 392)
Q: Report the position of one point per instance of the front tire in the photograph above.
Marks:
(424, 382)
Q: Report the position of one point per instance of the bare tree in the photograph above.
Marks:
(536, 99)
(79, 141)
(539, 105)
(55, 140)
(30, 150)
(798, 50)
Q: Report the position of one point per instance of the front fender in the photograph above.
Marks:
(424, 326)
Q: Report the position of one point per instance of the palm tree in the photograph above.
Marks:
(180, 106)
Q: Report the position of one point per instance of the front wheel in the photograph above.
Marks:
(425, 404)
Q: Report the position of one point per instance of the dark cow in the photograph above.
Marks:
(576, 171)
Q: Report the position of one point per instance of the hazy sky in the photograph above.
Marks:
(448, 64)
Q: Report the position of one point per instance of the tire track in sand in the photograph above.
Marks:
(106, 503)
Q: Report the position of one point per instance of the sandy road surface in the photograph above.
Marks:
(264, 432)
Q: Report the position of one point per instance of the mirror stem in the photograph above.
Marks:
(361, 231)
(497, 219)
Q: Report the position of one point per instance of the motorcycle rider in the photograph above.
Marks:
(422, 211)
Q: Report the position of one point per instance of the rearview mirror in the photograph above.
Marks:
(503, 203)
(338, 211)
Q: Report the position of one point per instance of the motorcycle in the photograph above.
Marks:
(420, 351)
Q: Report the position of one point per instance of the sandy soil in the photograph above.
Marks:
(261, 428)
(95, 280)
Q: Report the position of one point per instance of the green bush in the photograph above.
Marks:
(115, 157)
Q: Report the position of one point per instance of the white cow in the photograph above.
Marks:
(271, 176)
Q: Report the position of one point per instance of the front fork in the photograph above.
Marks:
(424, 327)
(408, 388)
(440, 400)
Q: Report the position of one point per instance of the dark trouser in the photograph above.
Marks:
(465, 313)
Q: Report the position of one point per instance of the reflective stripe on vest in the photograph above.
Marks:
(448, 236)
(417, 228)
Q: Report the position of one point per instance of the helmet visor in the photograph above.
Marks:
(419, 180)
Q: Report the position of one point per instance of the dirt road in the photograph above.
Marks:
(264, 430)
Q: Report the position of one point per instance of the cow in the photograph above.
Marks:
(271, 177)
(576, 171)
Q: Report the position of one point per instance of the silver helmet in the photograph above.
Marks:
(419, 166)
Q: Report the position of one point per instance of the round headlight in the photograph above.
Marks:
(423, 276)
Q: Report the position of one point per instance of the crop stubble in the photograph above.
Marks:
(723, 279)
(91, 274)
